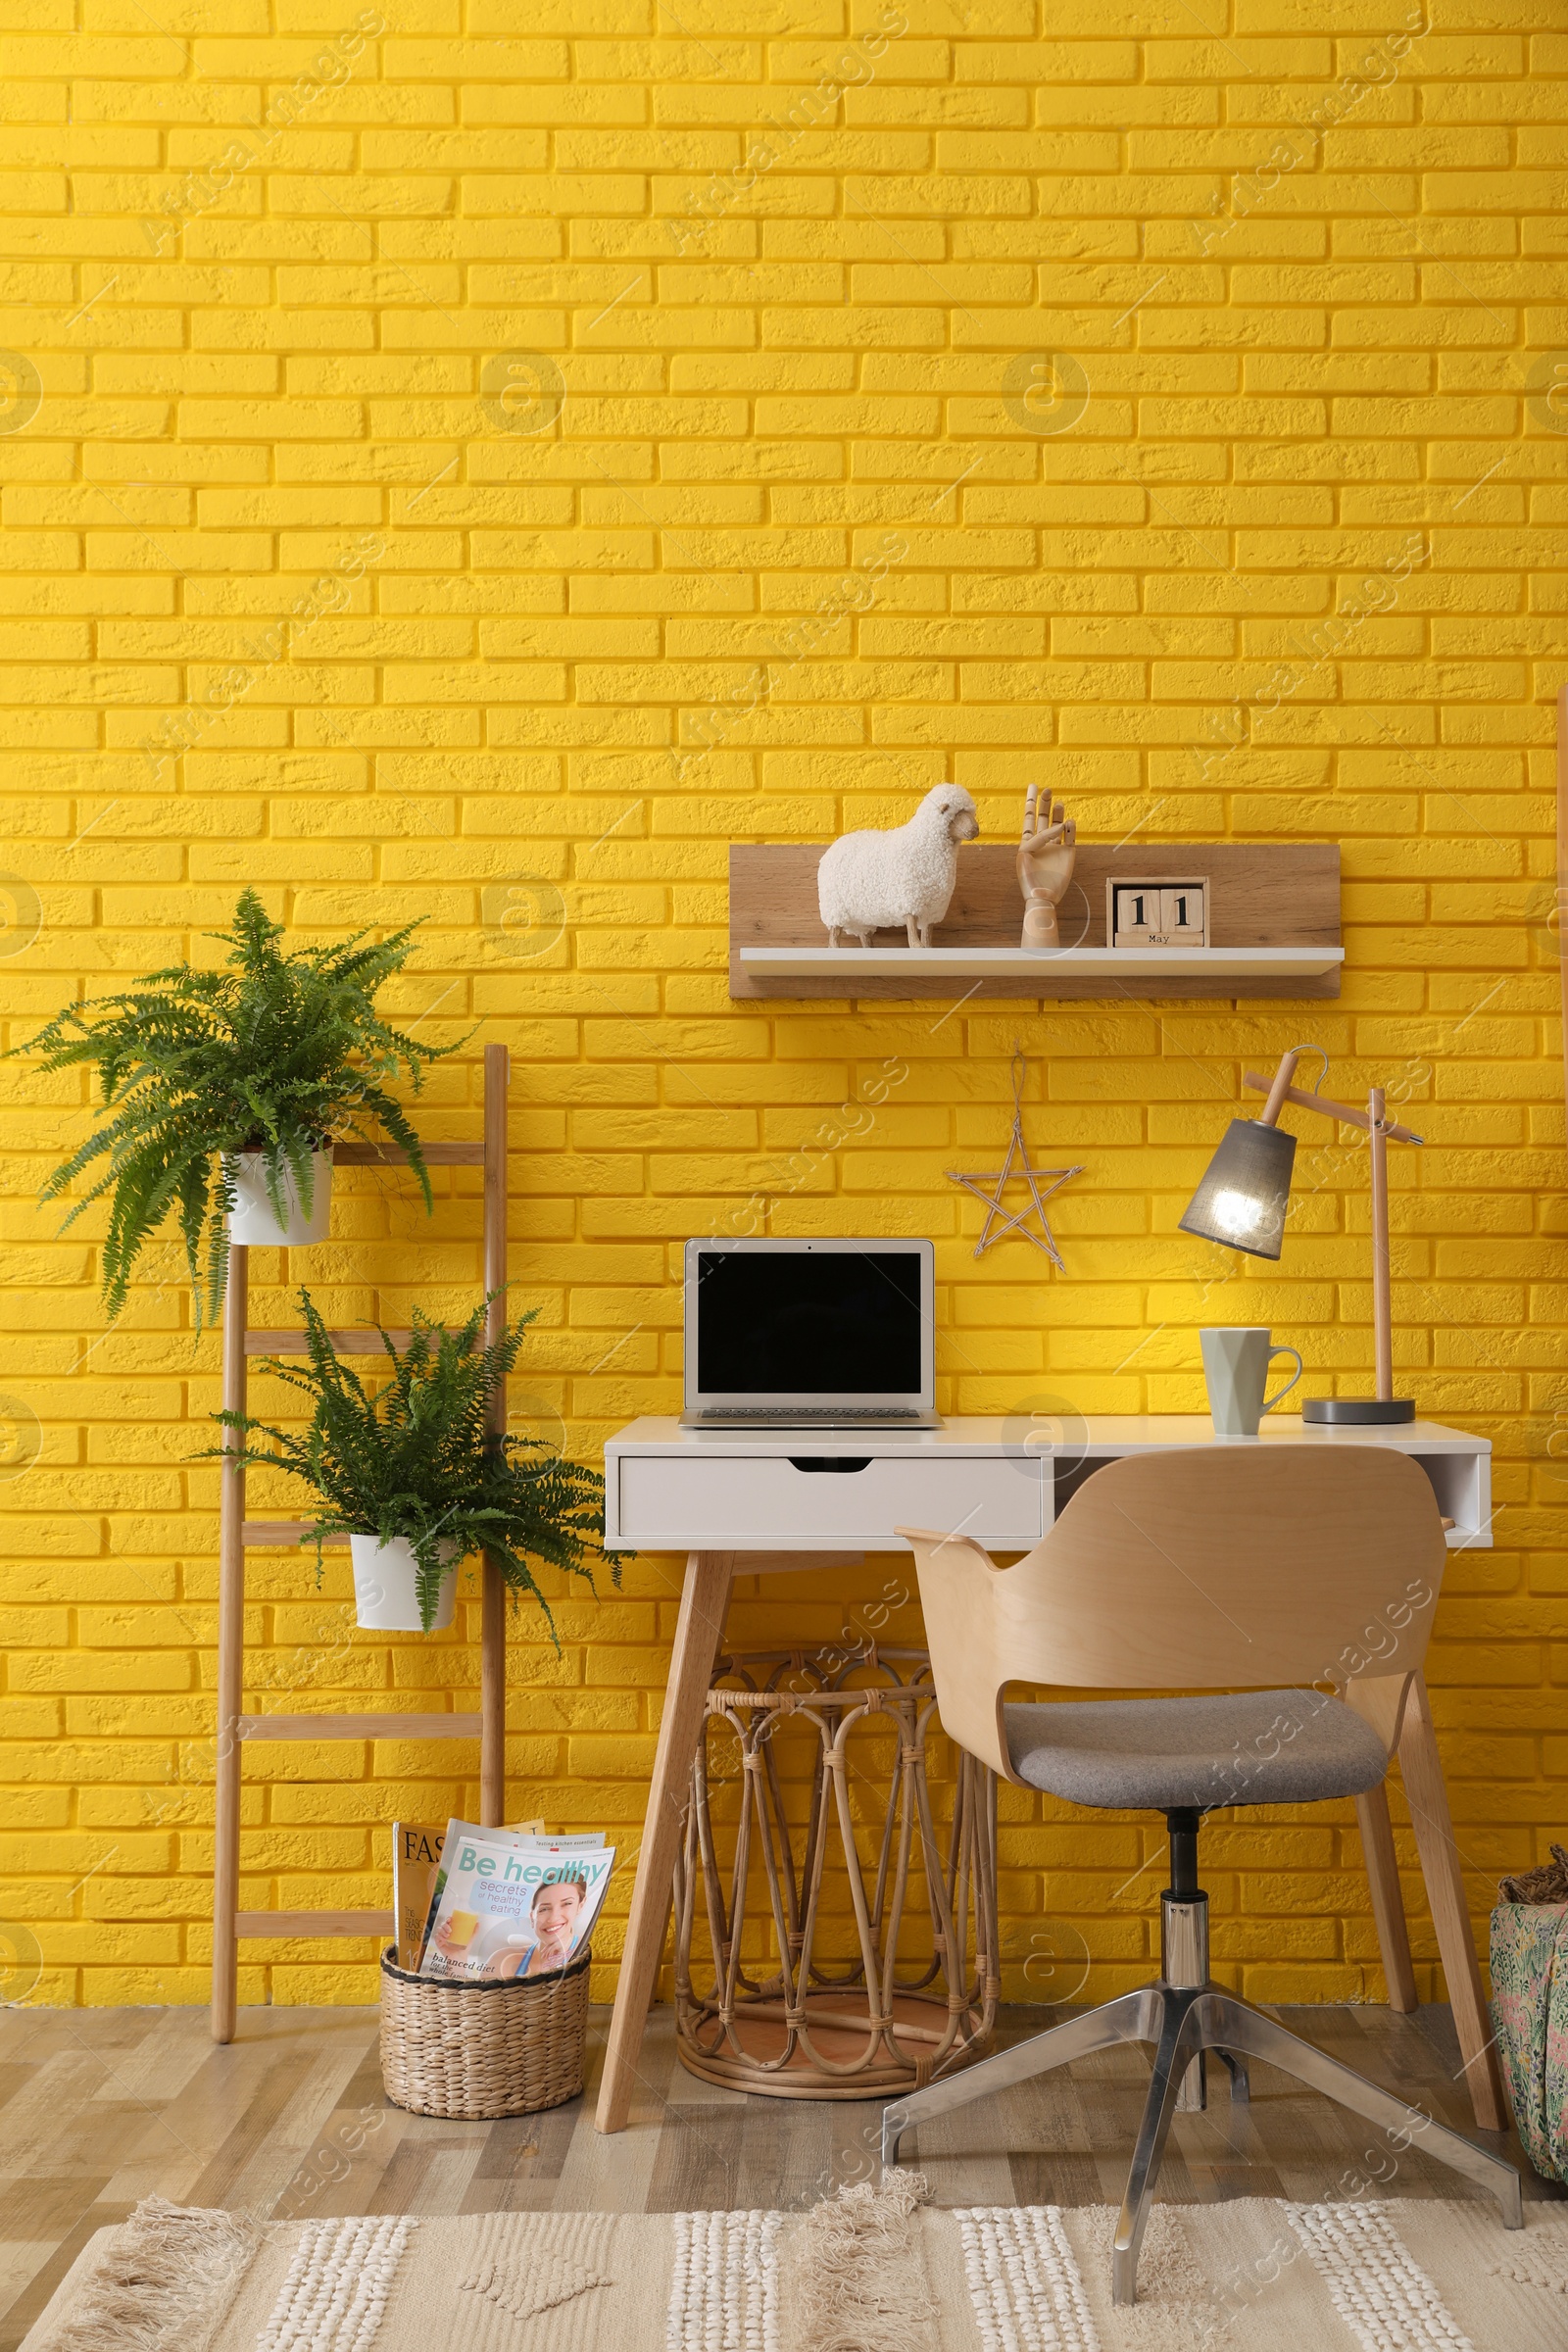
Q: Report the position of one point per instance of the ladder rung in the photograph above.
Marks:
(255, 1533)
(313, 1923)
(436, 1155)
(358, 1727)
(341, 1343)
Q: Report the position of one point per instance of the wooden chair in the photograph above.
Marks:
(1276, 1568)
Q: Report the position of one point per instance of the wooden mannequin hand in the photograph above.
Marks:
(1046, 856)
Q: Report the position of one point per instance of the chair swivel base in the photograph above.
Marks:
(1183, 2020)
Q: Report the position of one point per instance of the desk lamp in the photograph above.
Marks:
(1246, 1191)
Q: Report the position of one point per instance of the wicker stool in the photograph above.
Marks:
(864, 2022)
(508, 2046)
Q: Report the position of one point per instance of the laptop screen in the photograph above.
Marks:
(842, 1323)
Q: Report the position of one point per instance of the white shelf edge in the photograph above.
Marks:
(1240, 964)
(1458, 1539)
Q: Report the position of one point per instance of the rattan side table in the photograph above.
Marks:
(811, 1998)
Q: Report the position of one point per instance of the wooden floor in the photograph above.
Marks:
(103, 2107)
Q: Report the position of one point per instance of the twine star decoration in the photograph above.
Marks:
(1023, 1173)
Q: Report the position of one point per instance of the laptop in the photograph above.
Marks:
(810, 1335)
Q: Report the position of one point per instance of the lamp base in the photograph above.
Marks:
(1360, 1413)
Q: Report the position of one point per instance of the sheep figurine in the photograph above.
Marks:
(870, 882)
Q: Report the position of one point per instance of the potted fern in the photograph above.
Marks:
(412, 1476)
(225, 1090)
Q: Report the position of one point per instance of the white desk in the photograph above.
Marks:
(668, 1489)
(748, 1504)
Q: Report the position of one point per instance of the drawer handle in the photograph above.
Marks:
(845, 1463)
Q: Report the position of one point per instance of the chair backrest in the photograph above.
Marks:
(1209, 1567)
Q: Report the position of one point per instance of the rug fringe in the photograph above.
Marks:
(163, 2282)
(862, 2284)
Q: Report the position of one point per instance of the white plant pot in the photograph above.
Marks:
(386, 1597)
(251, 1221)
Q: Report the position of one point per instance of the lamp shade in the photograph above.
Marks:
(1246, 1190)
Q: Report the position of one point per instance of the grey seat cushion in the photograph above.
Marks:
(1258, 1748)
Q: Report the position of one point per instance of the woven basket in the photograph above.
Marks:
(470, 2051)
(1546, 1885)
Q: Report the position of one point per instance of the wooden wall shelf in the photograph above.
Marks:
(1042, 971)
(1274, 924)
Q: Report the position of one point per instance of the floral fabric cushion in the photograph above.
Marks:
(1530, 2012)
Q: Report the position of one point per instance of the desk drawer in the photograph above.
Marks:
(729, 1500)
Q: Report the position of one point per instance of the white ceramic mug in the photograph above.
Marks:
(1235, 1363)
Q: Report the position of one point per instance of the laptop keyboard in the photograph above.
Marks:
(830, 1417)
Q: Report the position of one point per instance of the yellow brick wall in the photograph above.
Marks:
(1153, 402)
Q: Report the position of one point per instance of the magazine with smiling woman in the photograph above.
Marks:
(417, 1849)
(514, 1907)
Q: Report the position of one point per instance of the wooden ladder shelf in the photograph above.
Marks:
(237, 1534)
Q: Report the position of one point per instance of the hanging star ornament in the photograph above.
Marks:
(1040, 1192)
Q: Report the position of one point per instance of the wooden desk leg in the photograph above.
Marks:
(1388, 1903)
(698, 1630)
(1422, 1769)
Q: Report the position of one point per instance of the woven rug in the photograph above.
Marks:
(865, 2272)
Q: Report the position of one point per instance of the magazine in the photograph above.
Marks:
(416, 1866)
(511, 1834)
(514, 1908)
